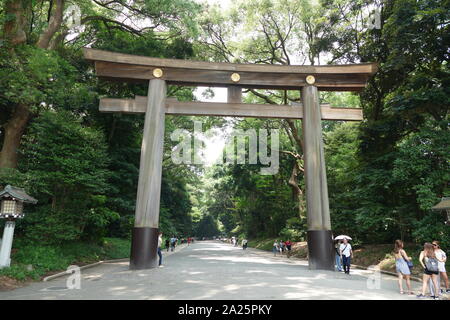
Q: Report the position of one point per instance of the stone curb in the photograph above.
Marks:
(65, 273)
(385, 272)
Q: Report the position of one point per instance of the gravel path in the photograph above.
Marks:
(214, 270)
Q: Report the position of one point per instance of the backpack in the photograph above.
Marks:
(432, 264)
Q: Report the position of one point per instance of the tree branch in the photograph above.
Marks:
(54, 24)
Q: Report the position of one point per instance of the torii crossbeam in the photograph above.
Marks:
(160, 72)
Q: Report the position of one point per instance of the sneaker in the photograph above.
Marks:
(447, 291)
(421, 296)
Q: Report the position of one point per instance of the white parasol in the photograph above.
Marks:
(342, 236)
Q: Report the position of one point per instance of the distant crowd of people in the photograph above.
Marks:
(171, 243)
(279, 247)
(282, 247)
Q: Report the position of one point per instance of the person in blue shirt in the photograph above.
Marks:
(338, 261)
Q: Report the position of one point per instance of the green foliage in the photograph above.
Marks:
(41, 79)
(247, 202)
(295, 229)
(431, 228)
(50, 258)
(262, 243)
(422, 165)
(20, 272)
(207, 227)
(66, 164)
(116, 248)
(166, 225)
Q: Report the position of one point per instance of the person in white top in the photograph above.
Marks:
(441, 258)
(346, 254)
(275, 248)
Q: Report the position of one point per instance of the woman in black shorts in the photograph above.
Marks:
(427, 256)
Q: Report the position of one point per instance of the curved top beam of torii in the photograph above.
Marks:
(126, 67)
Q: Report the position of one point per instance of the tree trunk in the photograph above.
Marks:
(54, 25)
(297, 191)
(14, 32)
(13, 131)
(14, 27)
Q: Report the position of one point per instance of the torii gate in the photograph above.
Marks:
(160, 72)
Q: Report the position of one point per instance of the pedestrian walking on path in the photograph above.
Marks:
(281, 247)
(275, 248)
(288, 247)
(167, 244)
(173, 243)
(430, 266)
(402, 266)
(442, 258)
(346, 254)
(159, 248)
(244, 244)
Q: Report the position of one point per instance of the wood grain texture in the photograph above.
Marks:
(281, 81)
(150, 168)
(195, 108)
(124, 67)
(108, 56)
(317, 206)
(234, 94)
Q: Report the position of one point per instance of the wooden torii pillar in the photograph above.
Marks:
(160, 72)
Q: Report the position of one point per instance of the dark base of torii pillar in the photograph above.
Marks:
(144, 242)
(319, 235)
(144, 248)
(320, 249)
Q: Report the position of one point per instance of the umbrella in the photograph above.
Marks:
(342, 237)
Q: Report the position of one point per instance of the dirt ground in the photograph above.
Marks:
(7, 283)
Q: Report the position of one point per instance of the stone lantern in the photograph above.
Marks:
(444, 205)
(11, 208)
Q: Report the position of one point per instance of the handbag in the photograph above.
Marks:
(432, 265)
(408, 262)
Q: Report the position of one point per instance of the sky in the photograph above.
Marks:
(214, 146)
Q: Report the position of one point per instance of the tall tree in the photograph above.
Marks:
(30, 27)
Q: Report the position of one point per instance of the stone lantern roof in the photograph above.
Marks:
(443, 205)
(17, 193)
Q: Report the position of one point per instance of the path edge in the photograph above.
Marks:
(65, 273)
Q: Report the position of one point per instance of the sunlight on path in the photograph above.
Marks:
(215, 270)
